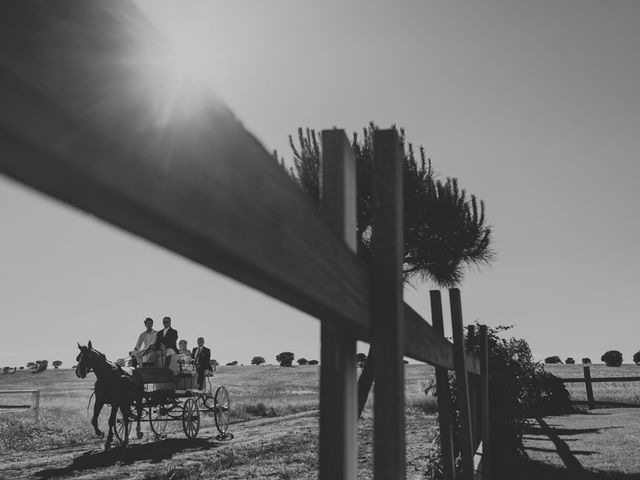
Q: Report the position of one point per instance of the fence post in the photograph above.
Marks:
(484, 402)
(387, 307)
(462, 384)
(443, 395)
(338, 380)
(589, 387)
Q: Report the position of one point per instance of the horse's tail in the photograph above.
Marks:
(89, 404)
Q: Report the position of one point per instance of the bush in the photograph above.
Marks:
(518, 389)
(285, 359)
(613, 358)
(302, 361)
(552, 360)
(636, 358)
(257, 360)
(586, 361)
(313, 362)
(570, 361)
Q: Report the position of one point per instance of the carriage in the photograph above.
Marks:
(173, 397)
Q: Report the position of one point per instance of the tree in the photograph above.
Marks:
(31, 365)
(285, 359)
(444, 230)
(302, 361)
(586, 361)
(21, 367)
(613, 358)
(361, 360)
(257, 360)
(313, 362)
(570, 361)
(636, 358)
(232, 364)
(552, 360)
(5, 370)
(214, 363)
(41, 366)
(56, 364)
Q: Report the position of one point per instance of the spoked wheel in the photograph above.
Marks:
(221, 410)
(158, 419)
(122, 430)
(191, 418)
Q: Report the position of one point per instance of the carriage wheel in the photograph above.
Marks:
(190, 418)
(119, 429)
(158, 419)
(221, 409)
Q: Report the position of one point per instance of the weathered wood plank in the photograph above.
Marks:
(87, 133)
(445, 417)
(464, 407)
(387, 308)
(338, 379)
(484, 403)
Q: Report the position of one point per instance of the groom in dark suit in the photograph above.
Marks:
(167, 338)
(202, 360)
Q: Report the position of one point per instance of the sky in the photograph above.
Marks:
(534, 106)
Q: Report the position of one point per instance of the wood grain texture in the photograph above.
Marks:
(338, 378)
(443, 390)
(80, 121)
(387, 308)
(463, 397)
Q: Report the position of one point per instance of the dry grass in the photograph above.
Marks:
(616, 392)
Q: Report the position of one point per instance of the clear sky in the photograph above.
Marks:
(534, 106)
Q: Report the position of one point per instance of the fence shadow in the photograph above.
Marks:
(527, 469)
(153, 452)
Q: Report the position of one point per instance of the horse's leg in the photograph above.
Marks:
(112, 426)
(97, 407)
(139, 415)
(124, 409)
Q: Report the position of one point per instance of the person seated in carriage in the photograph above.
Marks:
(166, 341)
(142, 354)
(184, 356)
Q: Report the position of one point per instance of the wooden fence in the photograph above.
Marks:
(203, 187)
(33, 405)
(588, 380)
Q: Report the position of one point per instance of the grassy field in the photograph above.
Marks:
(620, 392)
(256, 392)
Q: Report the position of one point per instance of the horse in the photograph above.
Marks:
(114, 387)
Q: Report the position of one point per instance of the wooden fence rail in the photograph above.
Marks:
(33, 405)
(203, 187)
(588, 380)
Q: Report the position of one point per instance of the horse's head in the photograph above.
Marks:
(87, 360)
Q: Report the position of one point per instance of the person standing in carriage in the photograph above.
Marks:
(202, 360)
(145, 340)
(166, 340)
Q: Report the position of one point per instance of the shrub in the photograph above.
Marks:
(285, 359)
(518, 388)
(636, 358)
(552, 360)
(302, 361)
(570, 361)
(313, 362)
(586, 361)
(257, 360)
(613, 358)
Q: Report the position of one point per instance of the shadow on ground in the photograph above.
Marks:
(531, 470)
(153, 452)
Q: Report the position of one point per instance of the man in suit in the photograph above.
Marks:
(166, 340)
(202, 360)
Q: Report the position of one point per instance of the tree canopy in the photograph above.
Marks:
(444, 229)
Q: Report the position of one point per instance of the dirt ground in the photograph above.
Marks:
(277, 448)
